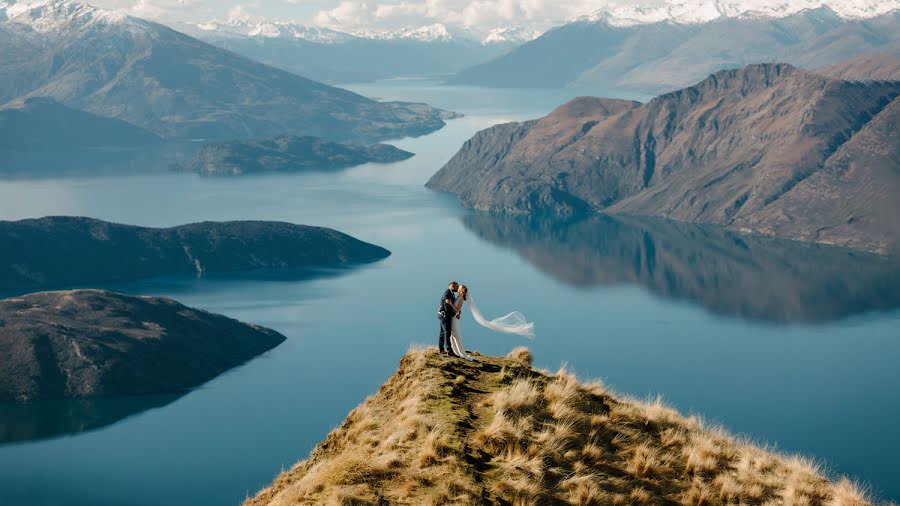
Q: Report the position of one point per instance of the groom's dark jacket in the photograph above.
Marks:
(448, 309)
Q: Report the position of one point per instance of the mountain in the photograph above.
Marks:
(703, 11)
(664, 55)
(338, 57)
(92, 343)
(265, 29)
(872, 68)
(436, 32)
(510, 35)
(42, 124)
(176, 86)
(60, 250)
(724, 272)
(498, 431)
(286, 154)
(769, 148)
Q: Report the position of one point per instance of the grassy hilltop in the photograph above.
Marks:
(442, 431)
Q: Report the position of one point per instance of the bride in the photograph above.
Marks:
(512, 323)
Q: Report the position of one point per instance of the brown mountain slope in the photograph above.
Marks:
(720, 152)
(496, 431)
(883, 67)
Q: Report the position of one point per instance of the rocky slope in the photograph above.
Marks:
(883, 67)
(286, 154)
(42, 124)
(766, 148)
(61, 251)
(178, 87)
(664, 55)
(86, 343)
(497, 431)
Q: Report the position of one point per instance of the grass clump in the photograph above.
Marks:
(496, 431)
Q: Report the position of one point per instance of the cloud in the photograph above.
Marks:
(479, 15)
(155, 9)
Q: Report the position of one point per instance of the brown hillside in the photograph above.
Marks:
(884, 67)
(442, 431)
(740, 149)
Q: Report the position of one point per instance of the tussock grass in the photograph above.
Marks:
(499, 432)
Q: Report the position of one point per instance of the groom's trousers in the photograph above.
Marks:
(446, 325)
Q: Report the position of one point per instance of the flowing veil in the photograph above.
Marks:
(512, 323)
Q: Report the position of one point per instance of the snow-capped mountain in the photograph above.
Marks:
(48, 17)
(275, 30)
(701, 11)
(290, 30)
(510, 35)
(436, 32)
(174, 85)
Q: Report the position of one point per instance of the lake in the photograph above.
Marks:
(790, 344)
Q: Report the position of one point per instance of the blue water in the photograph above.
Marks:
(792, 345)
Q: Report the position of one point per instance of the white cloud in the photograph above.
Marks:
(477, 15)
(155, 9)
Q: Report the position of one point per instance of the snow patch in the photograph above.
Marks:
(623, 14)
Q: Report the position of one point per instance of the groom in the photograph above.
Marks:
(446, 313)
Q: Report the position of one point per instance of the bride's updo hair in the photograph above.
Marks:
(463, 291)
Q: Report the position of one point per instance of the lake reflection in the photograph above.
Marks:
(46, 419)
(724, 272)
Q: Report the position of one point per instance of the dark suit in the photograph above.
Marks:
(446, 312)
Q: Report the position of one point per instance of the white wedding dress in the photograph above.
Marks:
(512, 323)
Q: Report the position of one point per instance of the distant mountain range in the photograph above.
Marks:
(767, 148)
(703, 11)
(175, 86)
(436, 32)
(340, 57)
(665, 50)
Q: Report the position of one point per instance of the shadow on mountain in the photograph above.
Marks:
(47, 419)
(73, 162)
(725, 272)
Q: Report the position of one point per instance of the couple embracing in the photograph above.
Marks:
(450, 312)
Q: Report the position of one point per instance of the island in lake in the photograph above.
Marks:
(497, 431)
(93, 343)
(286, 153)
(61, 250)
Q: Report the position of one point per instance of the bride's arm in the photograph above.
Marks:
(459, 305)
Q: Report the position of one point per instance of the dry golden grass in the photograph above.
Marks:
(443, 431)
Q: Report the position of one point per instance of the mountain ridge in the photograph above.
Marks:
(662, 56)
(498, 431)
(65, 250)
(178, 87)
(742, 149)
